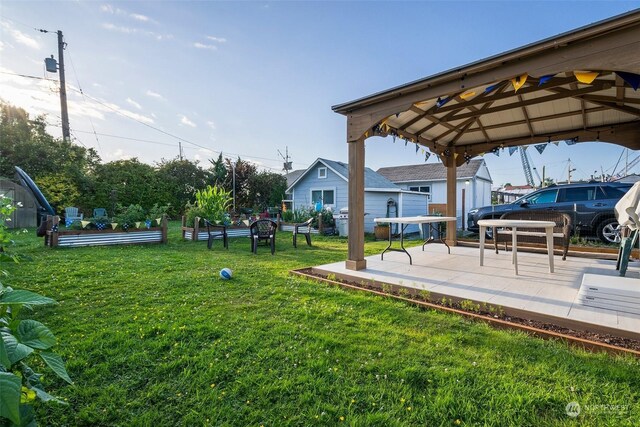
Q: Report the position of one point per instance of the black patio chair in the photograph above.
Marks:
(216, 231)
(303, 228)
(263, 229)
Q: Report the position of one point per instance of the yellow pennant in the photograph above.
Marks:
(158, 220)
(246, 222)
(114, 225)
(455, 155)
(421, 103)
(467, 95)
(519, 81)
(85, 223)
(138, 224)
(586, 77)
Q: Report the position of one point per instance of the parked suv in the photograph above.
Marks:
(591, 205)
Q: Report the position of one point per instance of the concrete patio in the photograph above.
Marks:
(533, 294)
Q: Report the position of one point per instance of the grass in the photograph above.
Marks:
(152, 336)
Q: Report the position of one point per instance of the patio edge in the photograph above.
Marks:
(498, 323)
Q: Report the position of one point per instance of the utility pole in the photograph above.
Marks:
(52, 67)
(287, 164)
(569, 170)
(180, 147)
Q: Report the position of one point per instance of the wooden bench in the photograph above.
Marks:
(561, 232)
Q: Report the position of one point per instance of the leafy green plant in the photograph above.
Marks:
(214, 203)
(127, 217)
(157, 211)
(20, 341)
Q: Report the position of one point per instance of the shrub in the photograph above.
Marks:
(214, 202)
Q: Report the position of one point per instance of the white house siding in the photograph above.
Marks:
(408, 204)
(310, 182)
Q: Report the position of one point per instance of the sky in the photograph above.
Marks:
(253, 79)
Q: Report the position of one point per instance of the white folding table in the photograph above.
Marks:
(404, 222)
(515, 224)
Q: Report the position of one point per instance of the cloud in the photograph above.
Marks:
(21, 37)
(199, 45)
(134, 103)
(107, 8)
(217, 39)
(139, 17)
(155, 95)
(211, 124)
(185, 121)
(136, 31)
(1, 46)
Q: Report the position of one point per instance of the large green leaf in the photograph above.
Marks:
(10, 397)
(15, 350)
(21, 296)
(55, 362)
(46, 397)
(4, 356)
(35, 334)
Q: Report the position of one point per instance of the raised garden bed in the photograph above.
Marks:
(77, 238)
(199, 233)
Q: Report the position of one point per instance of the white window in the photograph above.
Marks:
(326, 197)
(322, 173)
(422, 189)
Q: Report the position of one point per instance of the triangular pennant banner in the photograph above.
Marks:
(467, 95)
(585, 77)
(417, 148)
(138, 224)
(158, 220)
(426, 156)
(441, 102)
(512, 150)
(555, 143)
(496, 152)
(519, 81)
(492, 87)
(632, 79)
(571, 141)
(524, 147)
(85, 223)
(540, 147)
(114, 225)
(545, 79)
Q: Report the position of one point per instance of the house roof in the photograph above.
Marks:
(371, 178)
(429, 171)
(293, 176)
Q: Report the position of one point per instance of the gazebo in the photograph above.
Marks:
(576, 87)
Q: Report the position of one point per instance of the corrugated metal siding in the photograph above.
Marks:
(102, 239)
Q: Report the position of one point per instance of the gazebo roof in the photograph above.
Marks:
(578, 86)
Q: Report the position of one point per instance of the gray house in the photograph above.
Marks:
(325, 181)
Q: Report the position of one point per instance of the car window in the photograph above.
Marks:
(579, 194)
(548, 196)
(612, 192)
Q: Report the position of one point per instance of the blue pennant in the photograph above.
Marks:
(512, 150)
(540, 147)
(492, 87)
(545, 79)
(632, 79)
(441, 102)
(417, 148)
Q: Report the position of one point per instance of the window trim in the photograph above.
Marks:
(321, 169)
(322, 190)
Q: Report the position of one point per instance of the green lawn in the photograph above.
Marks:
(152, 336)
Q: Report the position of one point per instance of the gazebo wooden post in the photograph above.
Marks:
(451, 199)
(355, 259)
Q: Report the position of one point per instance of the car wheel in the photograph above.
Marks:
(609, 231)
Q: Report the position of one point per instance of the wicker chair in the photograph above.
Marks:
(304, 229)
(263, 229)
(561, 232)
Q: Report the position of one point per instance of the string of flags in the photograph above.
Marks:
(101, 225)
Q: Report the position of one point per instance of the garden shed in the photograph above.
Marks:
(326, 181)
(26, 214)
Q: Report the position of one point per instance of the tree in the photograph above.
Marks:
(243, 171)
(182, 179)
(131, 182)
(218, 171)
(267, 189)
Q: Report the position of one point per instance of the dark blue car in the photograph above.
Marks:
(591, 205)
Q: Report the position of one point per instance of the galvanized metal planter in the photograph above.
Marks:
(199, 233)
(77, 238)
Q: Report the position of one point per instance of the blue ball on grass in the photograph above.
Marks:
(226, 274)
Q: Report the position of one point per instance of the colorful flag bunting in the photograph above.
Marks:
(545, 79)
(519, 81)
(555, 143)
(158, 220)
(632, 79)
(138, 224)
(85, 223)
(585, 77)
(467, 95)
(491, 88)
(441, 102)
(512, 150)
(114, 225)
(571, 141)
(417, 148)
(540, 147)
(426, 156)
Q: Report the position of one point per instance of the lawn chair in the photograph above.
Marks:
(263, 229)
(303, 228)
(216, 231)
(627, 210)
(99, 212)
(71, 215)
